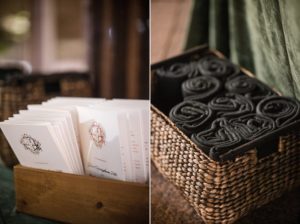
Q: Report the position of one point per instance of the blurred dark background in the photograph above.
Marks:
(106, 40)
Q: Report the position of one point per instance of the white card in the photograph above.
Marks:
(64, 131)
(35, 146)
(134, 134)
(100, 142)
(143, 108)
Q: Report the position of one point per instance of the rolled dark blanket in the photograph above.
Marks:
(169, 80)
(252, 126)
(179, 71)
(283, 110)
(218, 139)
(193, 70)
(201, 88)
(190, 116)
(231, 105)
(213, 66)
(249, 87)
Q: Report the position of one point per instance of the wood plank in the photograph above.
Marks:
(133, 50)
(80, 199)
(106, 50)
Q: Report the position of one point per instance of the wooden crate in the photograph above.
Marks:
(79, 199)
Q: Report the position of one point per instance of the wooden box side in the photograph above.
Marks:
(79, 199)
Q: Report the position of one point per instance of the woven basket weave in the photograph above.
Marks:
(223, 192)
(20, 91)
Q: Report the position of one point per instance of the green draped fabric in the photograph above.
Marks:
(260, 35)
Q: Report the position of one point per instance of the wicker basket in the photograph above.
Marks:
(19, 91)
(222, 192)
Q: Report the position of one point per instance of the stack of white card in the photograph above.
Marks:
(98, 137)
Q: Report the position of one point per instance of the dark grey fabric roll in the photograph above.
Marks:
(221, 68)
(179, 71)
(231, 105)
(201, 88)
(190, 116)
(218, 139)
(283, 110)
(252, 126)
(249, 87)
(169, 80)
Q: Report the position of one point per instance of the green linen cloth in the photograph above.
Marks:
(260, 35)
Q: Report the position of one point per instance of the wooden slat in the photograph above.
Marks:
(133, 50)
(107, 50)
(79, 199)
(119, 66)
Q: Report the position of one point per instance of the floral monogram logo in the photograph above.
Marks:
(31, 144)
(97, 134)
